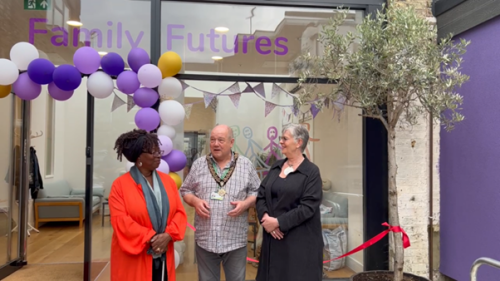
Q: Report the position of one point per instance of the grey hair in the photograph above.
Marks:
(298, 132)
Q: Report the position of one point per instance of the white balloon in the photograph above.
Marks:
(170, 87)
(177, 258)
(8, 72)
(171, 112)
(100, 85)
(149, 75)
(129, 165)
(22, 54)
(166, 130)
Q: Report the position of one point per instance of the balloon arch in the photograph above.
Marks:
(25, 73)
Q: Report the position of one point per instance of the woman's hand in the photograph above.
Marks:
(160, 242)
(271, 226)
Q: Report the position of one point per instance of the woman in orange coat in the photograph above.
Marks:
(147, 214)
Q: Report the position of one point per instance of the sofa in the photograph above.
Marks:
(59, 201)
(334, 208)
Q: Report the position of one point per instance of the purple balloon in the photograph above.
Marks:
(163, 167)
(87, 60)
(40, 71)
(127, 82)
(26, 89)
(166, 144)
(67, 77)
(145, 97)
(136, 58)
(59, 94)
(112, 64)
(147, 119)
(176, 160)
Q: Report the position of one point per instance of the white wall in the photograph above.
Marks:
(6, 149)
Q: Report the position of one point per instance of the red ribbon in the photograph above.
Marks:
(396, 229)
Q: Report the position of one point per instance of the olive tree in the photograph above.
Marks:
(395, 70)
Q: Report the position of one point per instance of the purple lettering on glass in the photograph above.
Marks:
(246, 39)
(34, 31)
(110, 35)
(134, 44)
(119, 35)
(277, 44)
(171, 36)
(224, 45)
(212, 36)
(259, 44)
(63, 37)
(201, 46)
(87, 33)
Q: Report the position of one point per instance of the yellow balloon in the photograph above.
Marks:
(5, 91)
(170, 63)
(177, 179)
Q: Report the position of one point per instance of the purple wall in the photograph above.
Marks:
(470, 163)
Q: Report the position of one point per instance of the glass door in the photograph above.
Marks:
(13, 171)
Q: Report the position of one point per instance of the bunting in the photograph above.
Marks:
(269, 107)
(130, 102)
(117, 102)
(275, 91)
(234, 89)
(259, 89)
(235, 98)
(184, 85)
(213, 104)
(208, 97)
(188, 108)
(314, 110)
(248, 89)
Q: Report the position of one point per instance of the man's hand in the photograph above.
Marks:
(160, 242)
(239, 208)
(202, 208)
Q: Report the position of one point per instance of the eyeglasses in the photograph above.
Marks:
(155, 153)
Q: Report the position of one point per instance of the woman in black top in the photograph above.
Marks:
(288, 208)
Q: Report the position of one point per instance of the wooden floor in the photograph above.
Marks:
(63, 243)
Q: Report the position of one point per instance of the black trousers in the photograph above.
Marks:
(158, 270)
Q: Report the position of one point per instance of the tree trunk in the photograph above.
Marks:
(397, 242)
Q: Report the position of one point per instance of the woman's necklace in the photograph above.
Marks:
(290, 168)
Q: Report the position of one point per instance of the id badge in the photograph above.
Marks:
(216, 196)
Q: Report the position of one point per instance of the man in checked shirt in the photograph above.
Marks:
(221, 187)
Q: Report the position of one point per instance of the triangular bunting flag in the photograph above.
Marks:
(214, 104)
(235, 98)
(184, 85)
(248, 89)
(117, 102)
(187, 109)
(260, 90)
(207, 98)
(314, 110)
(339, 103)
(269, 107)
(234, 89)
(130, 102)
(276, 90)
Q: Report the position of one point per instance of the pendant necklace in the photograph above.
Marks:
(288, 169)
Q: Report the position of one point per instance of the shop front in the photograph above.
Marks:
(237, 58)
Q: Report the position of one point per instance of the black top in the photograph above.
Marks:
(295, 202)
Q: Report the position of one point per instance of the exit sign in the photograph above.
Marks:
(37, 5)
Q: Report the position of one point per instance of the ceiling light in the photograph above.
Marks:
(102, 53)
(222, 29)
(74, 23)
(216, 58)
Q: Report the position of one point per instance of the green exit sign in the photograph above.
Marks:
(37, 5)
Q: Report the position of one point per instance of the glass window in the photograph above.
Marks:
(246, 40)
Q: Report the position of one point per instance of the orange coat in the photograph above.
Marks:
(133, 229)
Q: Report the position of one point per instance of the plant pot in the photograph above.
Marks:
(382, 275)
